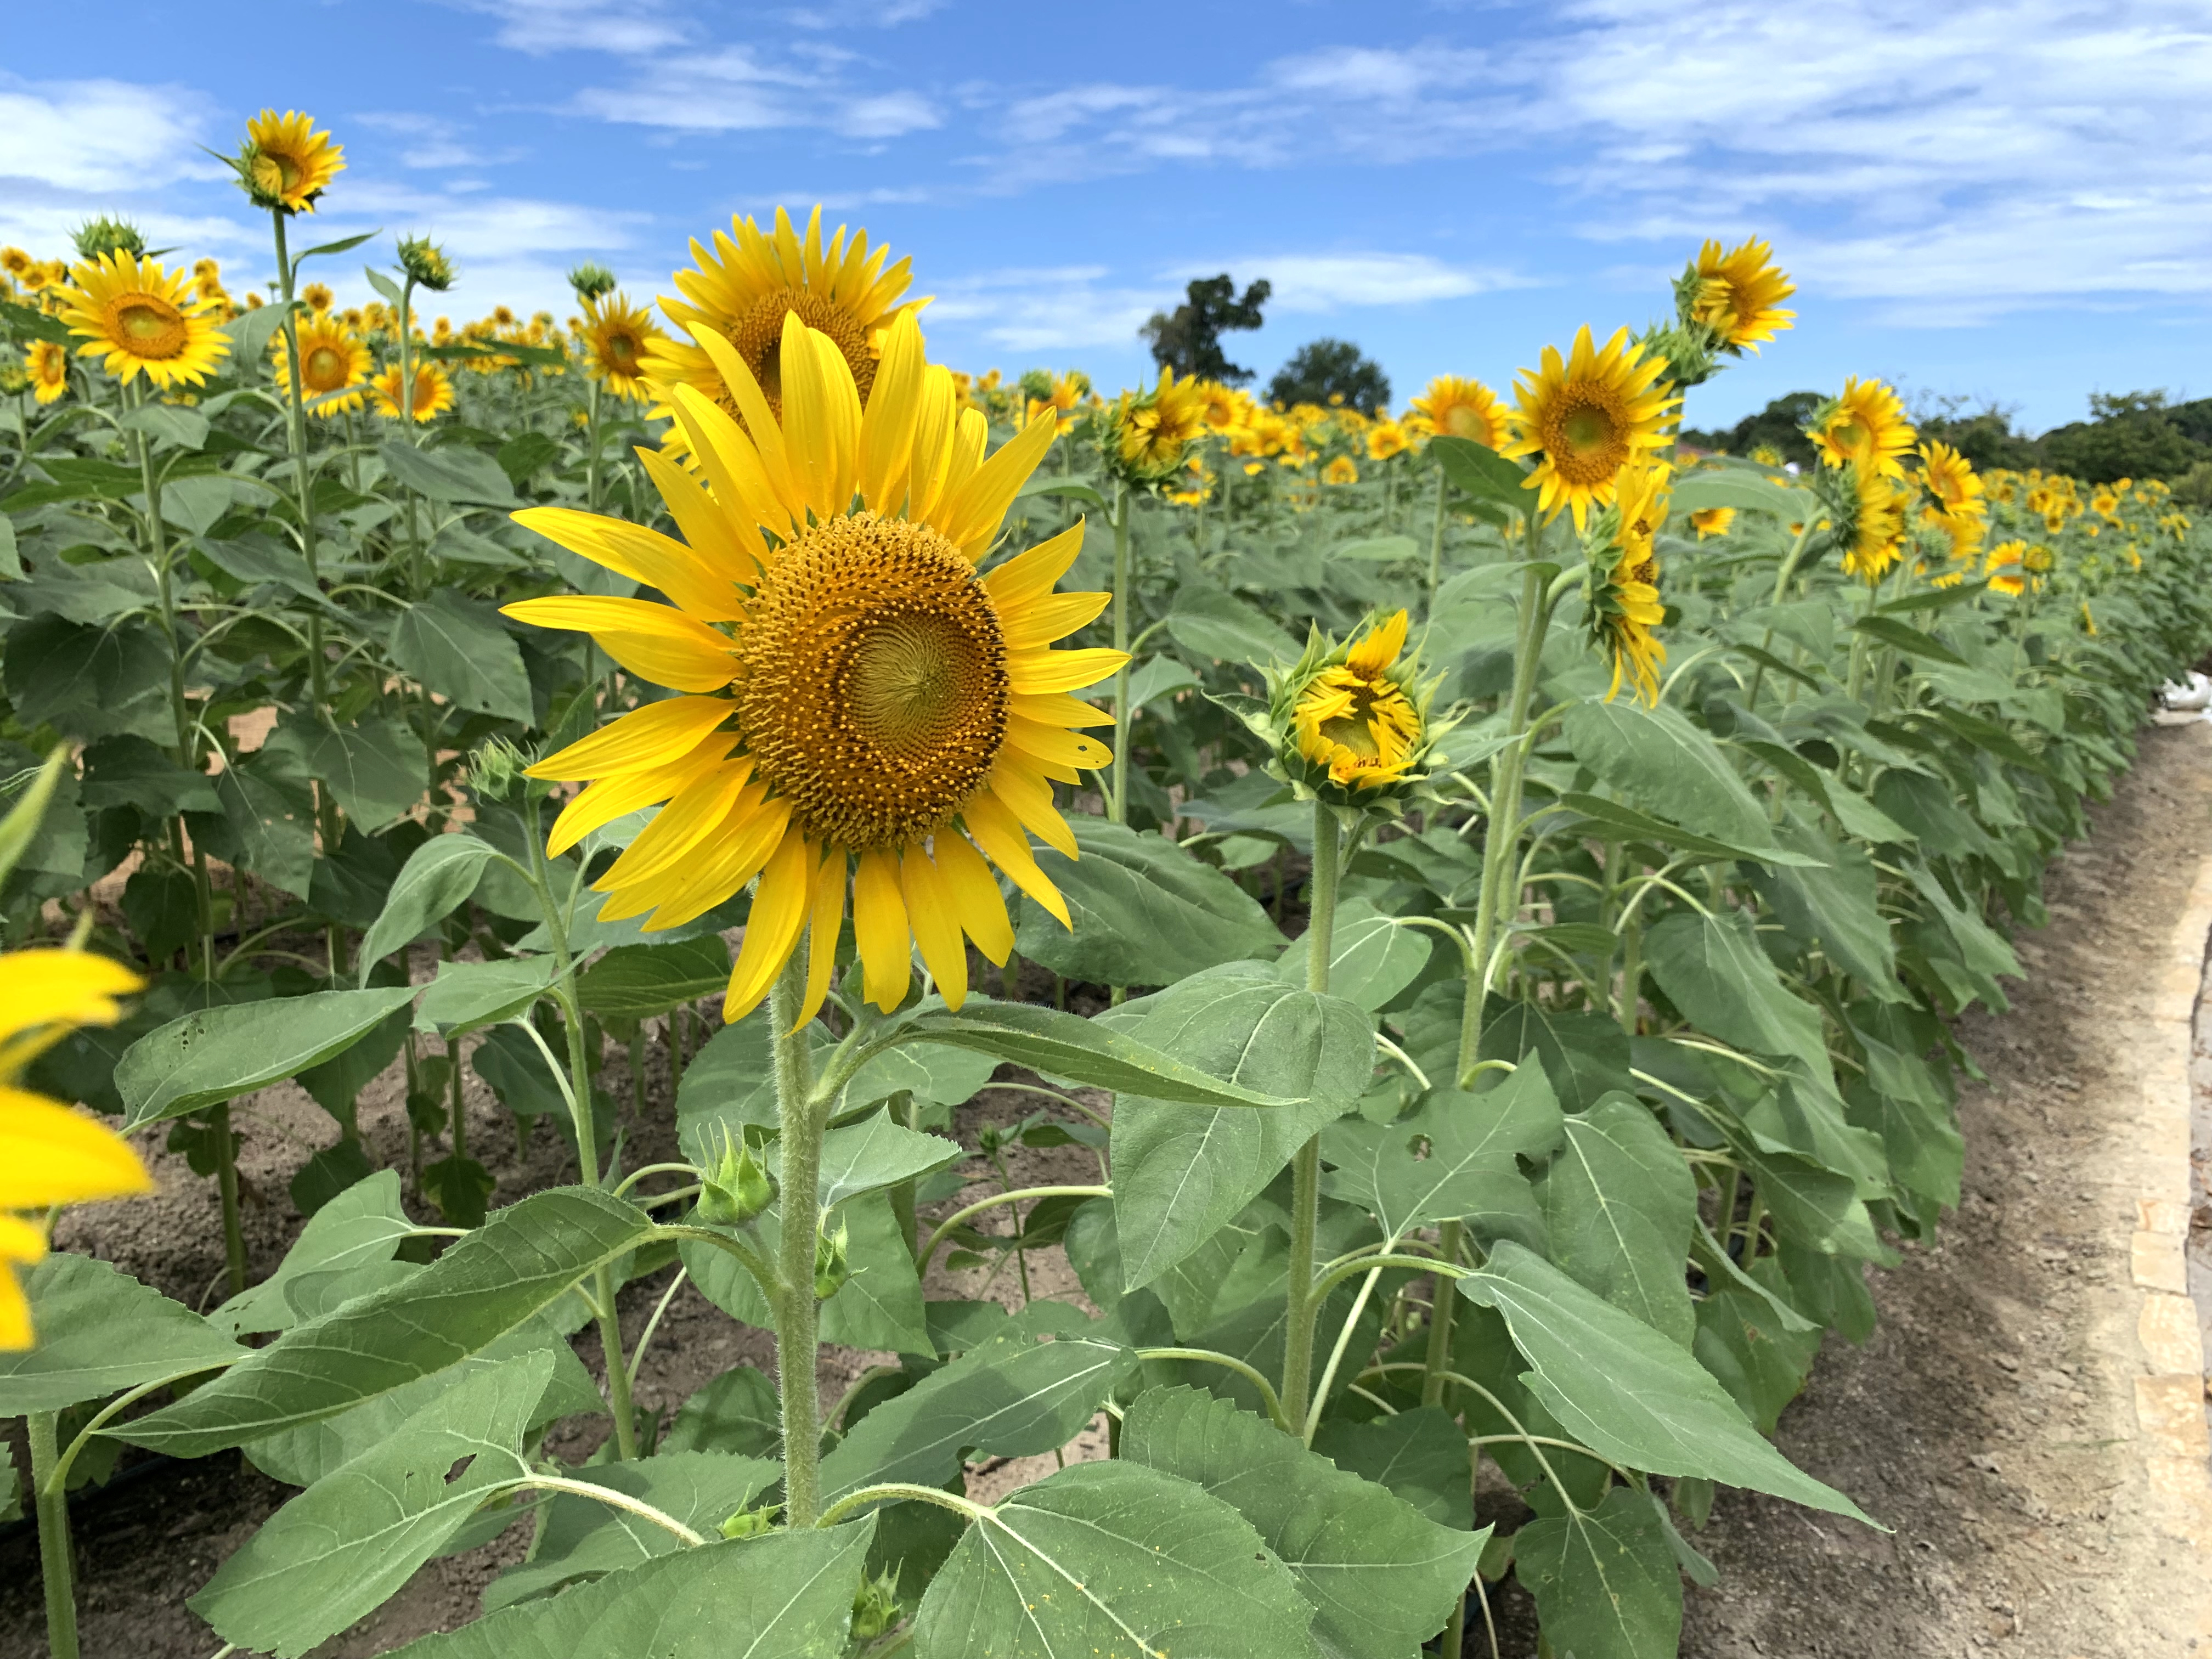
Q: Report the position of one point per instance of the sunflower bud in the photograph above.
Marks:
(1689, 349)
(752, 1523)
(737, 1190)
(103, 235)
(591, 281)
(425, 264)
(1145, 434)
(1349, 723)
(495, 768)
(832, 1266)
(875, 1605)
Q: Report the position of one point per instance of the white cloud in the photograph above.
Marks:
(102, 135)
(1062, 308)
(1327, 281)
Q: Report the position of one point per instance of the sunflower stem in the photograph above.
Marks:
(592, 487)
(1302, 1306)
(1437, 542)
(798, 1311)
(52, 1509)
(1117, 807)
(226, 1177)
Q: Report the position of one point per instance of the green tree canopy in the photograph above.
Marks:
(1326, 368)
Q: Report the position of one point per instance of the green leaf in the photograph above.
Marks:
(1759, 1359)
(451, 474)
(1458, 1159)
(363, 1224)
(1213, 623)
(1711, 969)
(99, 1331)
(132, 771)
(454, 646)
(219, 1053)
(1011, 1397)
(1835, 906)
(1144, 912)
(873, 1154)
(268, 822)
(1420, 1454)
(1609, 820)
(1813, 1206)
(1742, 490)
(637, 982)
(1180, 1174)
(1905, 638)
(1621, 1205)
(1627, 1392)
(880, 1306)
(374, 766)
(1112, 1559)
(1378, 549)
(929, 1070)
(437, 877)
(1481, 472)
(249, 331)
(344, 1546)
(521, 1260)
(737, 1412)
(466, 995)
(1371, 957)
(1073, 489)
(1155, 677)
(84, 681)
(1381, 1577)
(1667, 766)
(1605, 1580)
(1583, 1054)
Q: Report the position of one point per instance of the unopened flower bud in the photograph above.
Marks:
(591, 281)
(736, 1190)
(426, 263)
(98, 237)
(875, 1605)
(752, 1523)
(832, 1268)
(495, 768)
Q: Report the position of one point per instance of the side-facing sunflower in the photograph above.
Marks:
(1866, 424)
(617, 337)
(1738, 295)
(330, 360)
(1712, 521)
(141, 318)
(433, 391)
(1340, 471)
(1877, 525)
(1146, 436)
(47, 364)
(1588, 415)
(1455, 407)
(1387, 438)
(1950, 478)
(854, 694)
(2004, 567)
(49, 1155)
(1624, 607)
(286, 163)
(752, 280)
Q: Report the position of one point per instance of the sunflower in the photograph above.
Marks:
(1878, 523)
(1625, 608)
(2002, 568)
(48, 364)
(1386, 439)
(433, 391)
(1457, 408)
(1341, 470)
(1149, 431)
(1225, 406)
(1738, 296)
(1588, 417)
(853, 691)
(330, 360)
(1949, 477)
(143, 318)
(48, 1154)
(15, 262)
(1867, 423)
(1712, 520)
(287, 163)
(616, 337)
(1354, 722)
(743, 290)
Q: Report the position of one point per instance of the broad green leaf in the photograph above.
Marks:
(363, 1224)
(1621, 1205)
(730, 1081)
(1605, 1580)
(1906, 638)
(638, 981)
(928, 1071)
(1456, 1159)
(1583, 1054)
(1609, 820)
(790, 1594)
(267, 826)
(880, 1306)
(1379, 549)
(873, 1154)
(1113, 1560)
(518, 1262)
(1180, 1173)
(1212, 622)
(341, 1548)
(1144, 912)
(374, 765)
(99, 1331)
(515, 1069)
(468, 994)
(219, 1053)
(1667, 766)
(250, 331)
(1712, 970)
(1813, 1206)
(1626, 1391)
(454, 646)
(1155, 677)
(1371, 957)
(1420, 1454)
(1859, 815)
(1761, 1362)
(1381, 1577)
(1742, 490)
(737, 1413)
(1835, 908)
(451, 474)
(1013, 1397)
(84, 680)
(437, 877)
(583, 1539)
(132, 771)
(1481, 472)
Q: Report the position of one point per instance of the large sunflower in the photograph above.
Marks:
(1588, 417)
(617, 337)
(1739, 295)
(330, 360)
(47, 364)
(48, 1155)
(143, 319)
(854, 693)
(1624, 606)
(744, 289)
(290, 163)
(433, 391)
(1455, 407)
(1866, 424)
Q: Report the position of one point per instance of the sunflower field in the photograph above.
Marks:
(1488, 888)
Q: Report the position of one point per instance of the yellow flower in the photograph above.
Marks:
(1867, 423)
(1625, 608)
(48, 366)
(1457, 408)
(15, 262)
(433, 391)
(1878, 523)
(1950, 478)
(141, 318)
(1588, 416)
(1712, 520)
(1767, 454)
(1152, 429)
(330, 360)
(317, 296)
(48, 1153)
(1224, 407)
(852, 689)
(290, 163)
(1385, 439)
(2002, 568)
(752, 280)
(1353, 720)
(617, 337)
(1739, 295)
(1341, 470)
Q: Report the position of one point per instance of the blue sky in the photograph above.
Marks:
(2003, 201)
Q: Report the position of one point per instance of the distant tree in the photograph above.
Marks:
(1188, 339)
(2129, 435)
(1327, 369)
(1983, 436)
(1780, 427)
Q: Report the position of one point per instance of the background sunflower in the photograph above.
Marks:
(141, 317)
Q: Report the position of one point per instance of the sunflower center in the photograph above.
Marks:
(1353, 730)
(875, 689)
(621, 349)
(1584, 436)
(1464, 420)
(325, 369)
(758, 338)
(152, 327)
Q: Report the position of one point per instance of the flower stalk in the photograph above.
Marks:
(57, 1571)
(797, 1310)
(1303, 1305)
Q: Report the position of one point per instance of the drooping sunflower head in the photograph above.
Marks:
(1349, 723)
(1737, 295)
(1624, 607)
(1712, 521)
(1455, 407)
(286, 163)
(1146, 433)
(47, 365)
(617, 336)
(143, 319)
(1866, 425)
(1588, 415)
(856, 694)
(433, 391)
(331, 361)
(742, 289)
(1876, 527)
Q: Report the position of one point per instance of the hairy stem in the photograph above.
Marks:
(52, 1511)
(1303, 1305)
(1117, 806)
(798, 1314)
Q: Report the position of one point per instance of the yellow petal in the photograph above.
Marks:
(620, 793)
(826, 918)
(998, 833)
(750, 840)
(936, 420)
(1054, 617)
(724, 536)
(654, 735)
(975, 898)
(657, 641)
(1062, 671)
(972, 513)
(760, 425)
(47, 987)
(1053, 745)
(691, 817)
(1028, 796)
(880, 931)
(741, 484)
(887, 427)
(48, 1155)
(1057, 709)
(772, 930)
(1031, 575)
(643, 556)
(936, 925)
(821, 418)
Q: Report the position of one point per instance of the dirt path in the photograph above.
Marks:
(1992, 1419)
